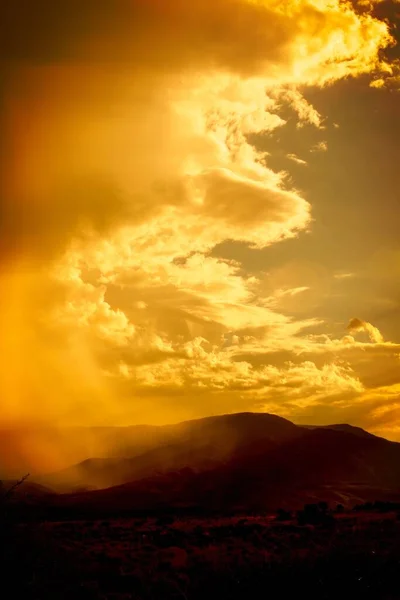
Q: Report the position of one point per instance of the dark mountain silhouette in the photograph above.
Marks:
(344, 427)
(242, 462)
(27, 491)
(200, 444)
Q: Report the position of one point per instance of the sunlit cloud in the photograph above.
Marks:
(344, 275)
(359, 325)
(320, 147)
(297, 159)
(131, 158)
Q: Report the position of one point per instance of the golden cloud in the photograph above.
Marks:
(359, 325)
(129, 160)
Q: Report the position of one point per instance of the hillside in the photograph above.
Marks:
(200, 444)
(241, 462)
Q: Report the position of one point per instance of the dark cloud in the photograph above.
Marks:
(233, 33)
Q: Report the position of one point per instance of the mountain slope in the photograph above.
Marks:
(344, 427)
(201, 444)
(255, 472)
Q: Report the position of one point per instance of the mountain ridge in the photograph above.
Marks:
(243, 460)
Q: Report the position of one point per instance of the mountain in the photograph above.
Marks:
(200, 444)
(26, 491)
(242, 462)
(344, 427)
(40, 449)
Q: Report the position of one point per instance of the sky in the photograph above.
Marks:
(200, 211)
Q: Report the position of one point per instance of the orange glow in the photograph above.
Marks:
(139, 149)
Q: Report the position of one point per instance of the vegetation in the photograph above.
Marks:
(221, 557)
(320, 551)
(283, 515)
(33, 565)
(315, 514)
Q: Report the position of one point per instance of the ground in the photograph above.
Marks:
(355, 555)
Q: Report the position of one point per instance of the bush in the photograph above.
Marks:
(315, 514)
(283, 515)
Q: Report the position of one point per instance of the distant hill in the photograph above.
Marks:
(244, 461)
(200, 444)
(27, 491)
(56, 449)
(27, 449)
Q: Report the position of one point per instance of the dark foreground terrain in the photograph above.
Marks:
(323, 554)
(189, 512)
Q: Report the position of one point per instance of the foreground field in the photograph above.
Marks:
(356, 554)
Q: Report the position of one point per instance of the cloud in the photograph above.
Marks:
(296, 159)
(305, 111)
(344, 275)
(320, 147)
(299, 384)
(129, 159)
(359, 325)
(193, 77)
